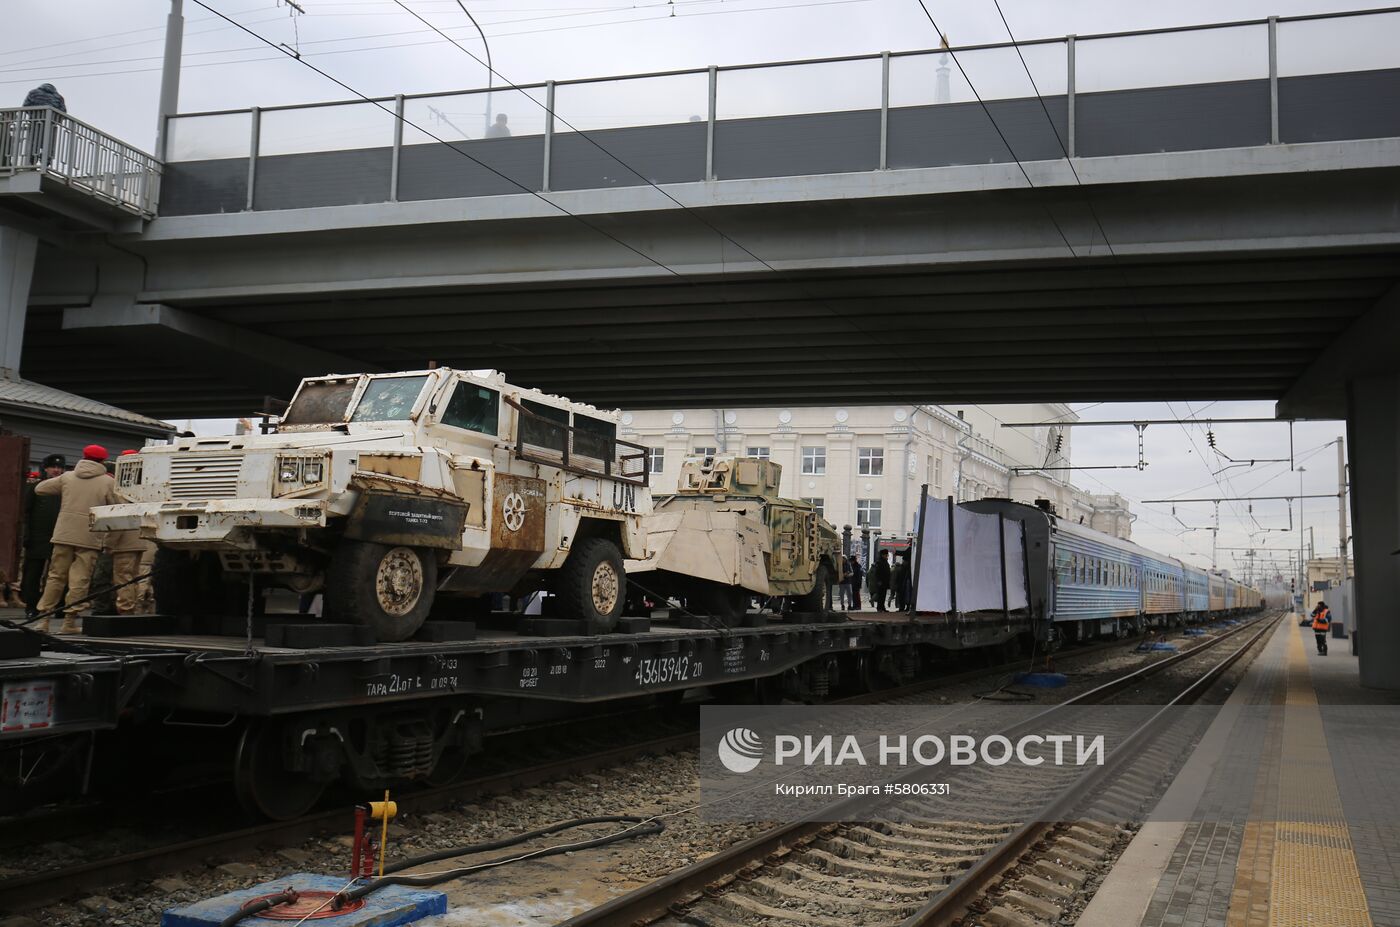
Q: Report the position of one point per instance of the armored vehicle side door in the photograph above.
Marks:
(790, 532)
(469, 421)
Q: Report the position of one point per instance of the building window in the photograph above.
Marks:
(814, 460)
(872, 461)
(816, 503)
(868, 513)
(704, 452)
(760, 452)
(656, 459)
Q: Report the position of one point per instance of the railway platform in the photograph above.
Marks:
(1320, 841)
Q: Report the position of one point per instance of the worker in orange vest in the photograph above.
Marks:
(1322, 623)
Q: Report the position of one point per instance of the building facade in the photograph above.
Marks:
(865, 466)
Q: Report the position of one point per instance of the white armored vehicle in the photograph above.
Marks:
(385, 491)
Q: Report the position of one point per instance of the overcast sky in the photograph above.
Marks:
(1180, 463)
(105, 58)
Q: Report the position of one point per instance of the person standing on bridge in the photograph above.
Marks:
(499, 129)
(45, 95)
(1322, 623)
(32, 126)
(75, 545)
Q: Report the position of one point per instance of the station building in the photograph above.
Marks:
(864, 466)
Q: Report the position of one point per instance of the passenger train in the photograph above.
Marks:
(1084, 583)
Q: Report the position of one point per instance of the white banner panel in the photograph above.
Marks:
(977, 544)
(935, 592)
(1015, 533)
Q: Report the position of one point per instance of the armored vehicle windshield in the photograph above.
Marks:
(330, 401)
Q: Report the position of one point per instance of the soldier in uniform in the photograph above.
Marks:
(40, 516)
(75, 546)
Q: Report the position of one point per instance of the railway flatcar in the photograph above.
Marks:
(1085, 583)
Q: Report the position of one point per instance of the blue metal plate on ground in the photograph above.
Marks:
(387, 907)
(1041, 680)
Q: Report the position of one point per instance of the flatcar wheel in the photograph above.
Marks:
(450, 767)
(265, 788)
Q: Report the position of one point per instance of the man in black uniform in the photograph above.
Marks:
(40, 515)
(880, 580)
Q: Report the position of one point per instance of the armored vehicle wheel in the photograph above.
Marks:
(592, 585)
(814, 601)
(265, 788)
(387, 589)
(727, 603)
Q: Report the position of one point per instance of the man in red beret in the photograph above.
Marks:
(75, 546)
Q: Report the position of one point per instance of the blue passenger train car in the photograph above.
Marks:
(1084, 583)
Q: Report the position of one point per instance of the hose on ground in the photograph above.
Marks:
(640, 827)
(262, 904)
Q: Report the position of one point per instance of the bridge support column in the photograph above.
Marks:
(17, 250)
(1373, 434)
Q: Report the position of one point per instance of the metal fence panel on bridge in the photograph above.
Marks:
(1299, 79)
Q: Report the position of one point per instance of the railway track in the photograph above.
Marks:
(37, 889)
(917, 870)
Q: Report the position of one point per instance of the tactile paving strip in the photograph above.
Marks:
(1314, 879)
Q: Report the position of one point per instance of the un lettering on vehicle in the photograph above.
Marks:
(624, 497)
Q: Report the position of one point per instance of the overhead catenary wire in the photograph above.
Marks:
(1089, 203)
(510, 85)
(832, 310)
(497, 173)
(398, 45)
(47, 63)
(997, 128)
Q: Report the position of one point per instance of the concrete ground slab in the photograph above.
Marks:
(1320, 843)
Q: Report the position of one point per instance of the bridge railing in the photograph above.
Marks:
(1224, 85)
(45, 140)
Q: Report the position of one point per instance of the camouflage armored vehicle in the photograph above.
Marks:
(726, 535)
(387, 491)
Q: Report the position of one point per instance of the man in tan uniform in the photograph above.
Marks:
(129, 556)
(75, 546)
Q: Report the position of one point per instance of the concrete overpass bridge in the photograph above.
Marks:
(796, 232)
(1196, 213)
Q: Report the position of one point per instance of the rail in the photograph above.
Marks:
(648, 903)
(48, 141)
(1210, 86)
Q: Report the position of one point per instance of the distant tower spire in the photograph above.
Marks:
(942, 92)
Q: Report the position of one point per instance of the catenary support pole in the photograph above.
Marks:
(1342, 506)
(170, 75)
